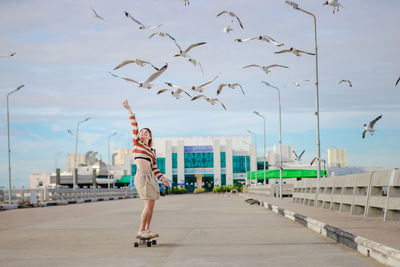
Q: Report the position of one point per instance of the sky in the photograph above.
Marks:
(64, 55)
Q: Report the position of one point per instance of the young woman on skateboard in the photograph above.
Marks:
(147, 173)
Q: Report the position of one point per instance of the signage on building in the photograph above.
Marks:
(198, 149)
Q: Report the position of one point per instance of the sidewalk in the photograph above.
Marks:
(195, 230)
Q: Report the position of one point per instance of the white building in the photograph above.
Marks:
(119, 156)
(337, 157)
(87, 159)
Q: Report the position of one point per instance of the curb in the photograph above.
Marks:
(381, 253)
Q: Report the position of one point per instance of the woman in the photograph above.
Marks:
(147, 173)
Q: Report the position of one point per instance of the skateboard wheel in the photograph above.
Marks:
(136, 244)
(149, 244)
(154, 242)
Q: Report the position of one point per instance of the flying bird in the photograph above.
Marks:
(195, 62)
(70, 132)
(10, 55)
(212, 101)
(162, 34)
(267, 84)
(146, 83)
(261, 38)
(299, 83)
(142, 26)
(232, 15)
(334, 3)
(187, 2)
(176, 93)
(116, 76)
(136, 61)
(228, 27)
(97, 15)
(230, 85)
(184, 53)
(265, 68)
(200, 88)
(296, 52)
(298, 157)
(397, 81)
(370, 127)
(346, 81)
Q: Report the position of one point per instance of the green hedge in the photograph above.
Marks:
(177, 190)
(224, 188)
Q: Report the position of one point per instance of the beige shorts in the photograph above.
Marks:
(146, 185)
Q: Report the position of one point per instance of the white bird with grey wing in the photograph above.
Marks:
(147, 83)
(294, 51)
(298, 157)
(183, 53)
(10, 55)
(212, 101)
(230, 85)
(70, 132)
(261, 38)
(334, 3)
(233, 16)
(199, 88)
(139, 62)
(162, 34)
(265, 68)
(346, 81)
(176, 93)
(370, 127)
(142, 26)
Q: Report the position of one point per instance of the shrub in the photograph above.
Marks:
(199, 190)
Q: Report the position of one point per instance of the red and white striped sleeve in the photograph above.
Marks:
(135, 129)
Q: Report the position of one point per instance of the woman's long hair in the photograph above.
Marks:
(151, 136)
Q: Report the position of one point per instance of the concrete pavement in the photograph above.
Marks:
(195, 230)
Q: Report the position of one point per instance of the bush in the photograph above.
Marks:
(177, 190)
(224, 188)
(199, 190)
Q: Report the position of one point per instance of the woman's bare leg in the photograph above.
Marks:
(146, 214)
(151, 209)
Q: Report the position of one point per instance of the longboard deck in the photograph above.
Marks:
(145, 241)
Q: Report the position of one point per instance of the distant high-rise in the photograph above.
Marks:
(337, 157)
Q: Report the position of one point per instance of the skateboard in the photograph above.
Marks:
(145, 241)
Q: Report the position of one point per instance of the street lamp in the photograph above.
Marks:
(255, 146)
(55, 157)
(9, 150)
(108, 169)
(258, 114)
(295, 6)
(280, 139)
(75, 175)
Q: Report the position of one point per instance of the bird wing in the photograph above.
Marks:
(201, 68)
(126, 62)
(208, 82)
(220, 87)
(283, 51)
(240, 23)
(304, 52)
(269, 39)
(267, 84)
(198, 96)
(297, 157)
(130, 80)
(180, 90)
(276, 65)
(154, 33)
(238, 84)
(113, 74)
(175, 86)
(217, 100)
(156, 74)
(96, 15)
(372, 123)
(170, 36)
(132, 18)
(162, 91)
(193, 45)
(252, 65)
(397, 81)
(245, 40)
(363, 133)
(314, 159)
(301, 154)
(222, 13)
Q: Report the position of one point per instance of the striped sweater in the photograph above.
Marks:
(140, 149)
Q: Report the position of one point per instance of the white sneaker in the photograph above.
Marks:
(144, 234)
(153, 234)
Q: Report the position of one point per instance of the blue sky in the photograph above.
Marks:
(64, 54)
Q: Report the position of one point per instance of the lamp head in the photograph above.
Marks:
(19, 87)
(293, 4)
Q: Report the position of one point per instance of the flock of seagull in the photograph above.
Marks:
(177, 90)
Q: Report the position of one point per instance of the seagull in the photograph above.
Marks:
(146, 83)
(142, 27)
(298, 83)
(370, 127)
(261, 38)
(212, 101)
(233, 86)
(228, 27)
(297, 52)
(136, 61)
(298, 157)
(175, 93)
(186, 2)
(334, 3)
(200, 88)
(162, 34)
(116, 76)
(184, 53)
(343, 81)
(265, 68)
(267, 84)
(232, 15)
(97, 15)
(70, 132)
(10, 55)
(194, 62)
(397, 81)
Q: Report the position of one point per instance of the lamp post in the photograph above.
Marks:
(9, 150)
(258, 114)
(75, 175)
(55, 157)
(280, 141)
(255, 145)
(108, 169)
(295, 6)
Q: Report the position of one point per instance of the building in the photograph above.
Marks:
(87, 159)
(273, 157)
(337, 157)
(119, 155)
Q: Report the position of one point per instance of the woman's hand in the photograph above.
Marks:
(165, 181)
(126, 105)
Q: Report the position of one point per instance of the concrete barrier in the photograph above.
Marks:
(372, 194)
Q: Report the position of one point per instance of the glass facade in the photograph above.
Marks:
(174, 160)
(223, 159)
(199, 160)
(260, 165)
(241, 164)
(161, 164)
